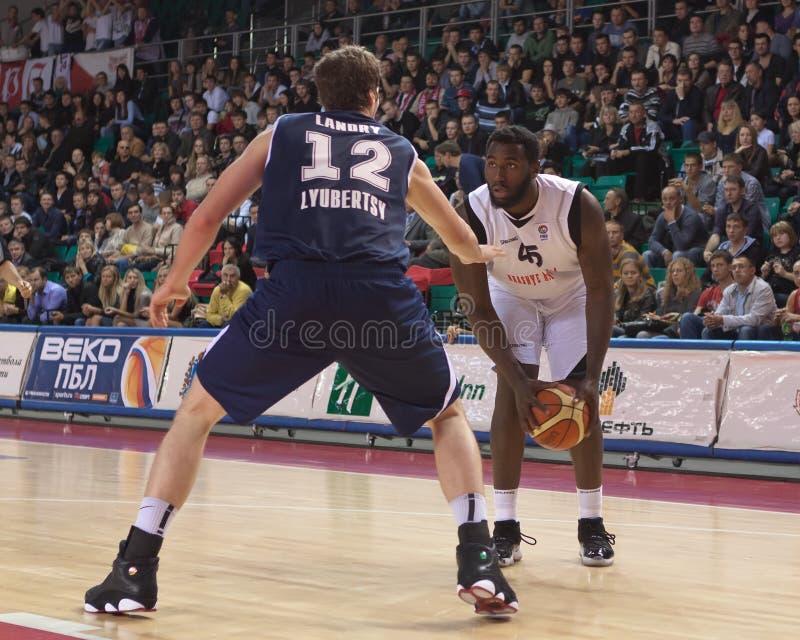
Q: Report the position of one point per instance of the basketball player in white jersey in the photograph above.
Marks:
(552, 289)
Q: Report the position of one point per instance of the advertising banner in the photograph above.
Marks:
(104, 369)
(184, 355)
(762, 405)
(11, 83)
(662, 395)
(86, 65)
(37, 68)
(15, 348)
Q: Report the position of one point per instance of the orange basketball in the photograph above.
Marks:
(562, 424)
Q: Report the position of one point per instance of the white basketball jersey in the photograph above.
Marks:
(541, 261)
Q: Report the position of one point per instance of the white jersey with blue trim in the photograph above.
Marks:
(541, 261)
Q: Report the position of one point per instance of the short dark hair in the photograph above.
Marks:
(738, 180)
(736, 217)
(514, 134)
(721, 254)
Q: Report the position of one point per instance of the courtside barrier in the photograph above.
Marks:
(667, 397)
(15, 349)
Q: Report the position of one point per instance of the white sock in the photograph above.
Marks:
(470, 507)
(155, 516)
(505, 504)
(590, 502)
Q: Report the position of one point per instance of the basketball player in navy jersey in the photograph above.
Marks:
(334, 192)
(9, 273)
(551, 289)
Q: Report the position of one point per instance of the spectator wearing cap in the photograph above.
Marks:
(564, 120)
(710, 154)
(457, 83)
(554, 150)
(465, 103)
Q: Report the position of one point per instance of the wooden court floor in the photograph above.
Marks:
(305, 552)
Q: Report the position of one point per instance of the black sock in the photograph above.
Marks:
(141, 544)
(475, 532)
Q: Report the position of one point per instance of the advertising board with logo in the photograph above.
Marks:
(15, 347)
(184, 356)
(107, 369)
(762, 404)
(679, 404)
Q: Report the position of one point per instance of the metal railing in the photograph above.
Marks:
(423, 26)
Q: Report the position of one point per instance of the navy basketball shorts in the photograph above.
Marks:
(307, 315)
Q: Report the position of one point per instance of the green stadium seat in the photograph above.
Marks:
(577, 161)
(774, 208)
(103, 144)
(659, 274)
(61, 250)
(150, 278)
(678, 155)
(430, 161)
(611, 181)
(54, 276)
(442, 297)
(600, 193)
(588, 181)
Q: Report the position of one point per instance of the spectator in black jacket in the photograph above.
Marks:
(401, 122)
(759, 95)
(681, 111)
(80, 293)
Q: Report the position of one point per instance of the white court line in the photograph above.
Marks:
(280, 507)
(52, 625)
(417, 478)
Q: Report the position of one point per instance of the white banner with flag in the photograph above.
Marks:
(37, 68)
(85, 66)
(762, 405)
(62, 68)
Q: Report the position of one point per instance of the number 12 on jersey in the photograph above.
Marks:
(369, 171)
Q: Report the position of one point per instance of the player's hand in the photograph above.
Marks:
(166, 293)
(489, 252)
(525, 399)
(24, 288)
(587, 390)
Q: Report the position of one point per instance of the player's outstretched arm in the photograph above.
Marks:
(235, 184)
(9, 273)
(432, 206)
(594, 255)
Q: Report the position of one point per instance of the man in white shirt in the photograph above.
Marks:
(215, 96)
(661, 46)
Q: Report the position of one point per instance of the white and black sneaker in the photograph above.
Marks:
(596, 543)
(507, 539)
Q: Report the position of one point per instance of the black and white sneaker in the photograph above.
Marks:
(481, 583)
(507, 539)
(131, 586)
(595, 542)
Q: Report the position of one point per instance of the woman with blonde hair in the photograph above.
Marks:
(109, 293)
(727, 125)
(135, 298)
(602, 136)
(199, 148)
(680, 295)
(89, 262)
(633, 297)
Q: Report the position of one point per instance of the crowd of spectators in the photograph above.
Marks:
(103, 183)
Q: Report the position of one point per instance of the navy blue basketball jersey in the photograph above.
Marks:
(334, 190)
